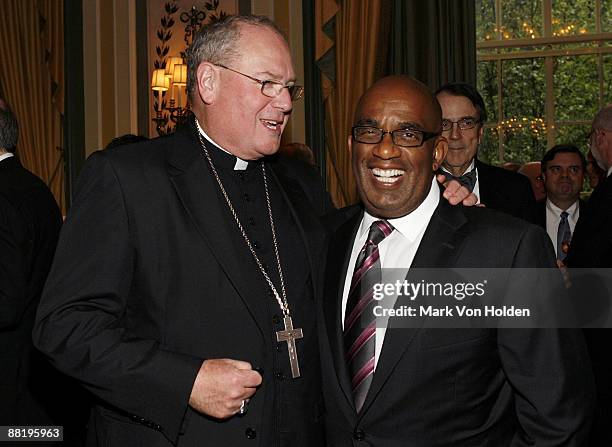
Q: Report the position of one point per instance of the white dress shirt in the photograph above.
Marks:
(240, 165)
(7, 155)
(553, 217)
(396, 251)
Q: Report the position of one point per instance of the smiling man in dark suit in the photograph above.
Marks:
(463, 118)
(388, 386)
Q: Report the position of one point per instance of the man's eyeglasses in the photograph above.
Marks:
(272, 89)
(469, 122)
(401, 137)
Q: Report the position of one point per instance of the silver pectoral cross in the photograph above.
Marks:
(289, 335)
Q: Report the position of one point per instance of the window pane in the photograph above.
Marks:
(576, 88)
(487, 86)
(606, 16)
(607, 73)
(522, 19)
(574, 134)
(485, 23)
(489, 147)
(523, 145)
(573, 17)
(523, 88)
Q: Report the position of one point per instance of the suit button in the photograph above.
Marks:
(251, 221)
(280, 376)
(276, 319)
(359, 435)
(250, 433)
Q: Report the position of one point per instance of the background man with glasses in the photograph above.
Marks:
(188, 266)
(591, 247)
(463, 118)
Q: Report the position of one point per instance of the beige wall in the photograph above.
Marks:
(109, 59)
(109, 66)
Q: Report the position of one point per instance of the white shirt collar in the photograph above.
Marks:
(572, 211)
(412, 224)
(468, 169)
(240, 165)
(7, 155)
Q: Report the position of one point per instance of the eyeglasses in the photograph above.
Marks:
(400, 137)
(469, 122)
(272, 89)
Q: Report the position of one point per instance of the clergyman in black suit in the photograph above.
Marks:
(591, 247)
(29, 227)
(185, 260)
(390, 386)
(563, 169)
(463, 118)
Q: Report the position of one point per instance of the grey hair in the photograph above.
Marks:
(9, 130)
(603, 119)
(216, 42)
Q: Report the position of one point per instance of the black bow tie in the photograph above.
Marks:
(468, 179)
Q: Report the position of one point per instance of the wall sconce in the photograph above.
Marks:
(174, 79)
(176, 111)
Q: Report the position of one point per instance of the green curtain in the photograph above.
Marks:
(434, 41)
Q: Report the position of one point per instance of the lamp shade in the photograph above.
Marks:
(160, 82)
(179, 75)
(170, 63)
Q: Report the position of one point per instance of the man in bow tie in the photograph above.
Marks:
(463, 118)
(388, 386)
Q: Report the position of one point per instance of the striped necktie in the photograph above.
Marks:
(359, 321)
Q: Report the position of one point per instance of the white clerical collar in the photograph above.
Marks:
(571, 211)
(411, 225)
(240, 165)
(7, 155)
(609, 171)
(469, 168)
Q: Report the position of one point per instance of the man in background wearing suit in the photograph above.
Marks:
(591, 247)
(463, 118)
(29, 227)
(390, 386)
(563, 174)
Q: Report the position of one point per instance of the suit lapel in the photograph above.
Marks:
(201, 198)
(309, 226)
(438, 249)
(337, 266)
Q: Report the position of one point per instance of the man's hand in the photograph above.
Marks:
(456, 193)
(221, 385)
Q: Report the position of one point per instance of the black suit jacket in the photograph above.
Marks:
(459, 387)
(506, 191)
(29, 227)
(152, 277)
(591, 247)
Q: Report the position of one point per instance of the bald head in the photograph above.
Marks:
(601, 137)
(389, 87)
(394, 168)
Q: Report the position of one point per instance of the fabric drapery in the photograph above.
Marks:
(360, 51)
(32, 83)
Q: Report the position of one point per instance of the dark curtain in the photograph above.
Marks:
(434, 41)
